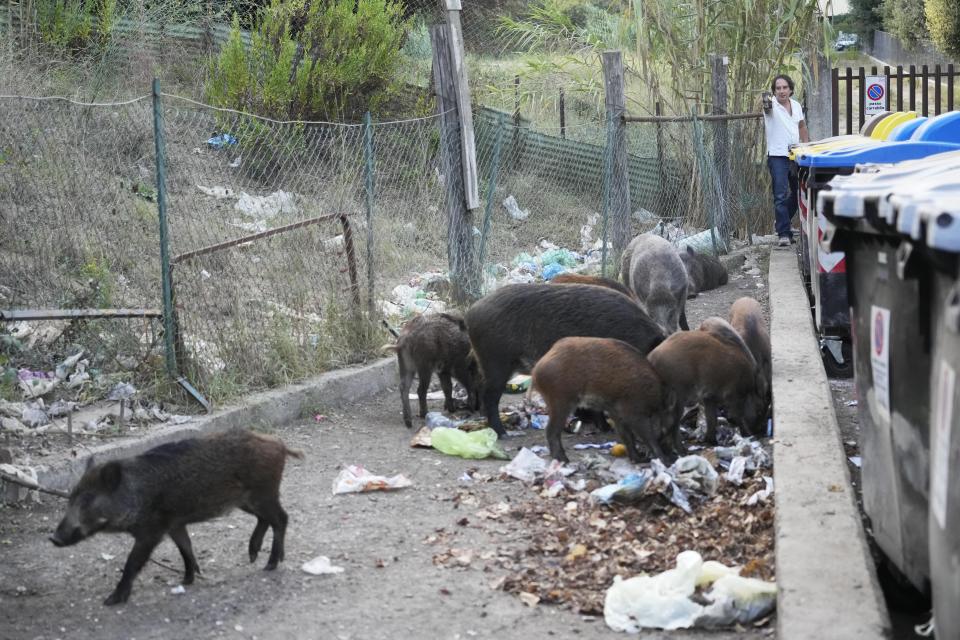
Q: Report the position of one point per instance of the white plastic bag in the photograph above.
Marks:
(356, 479)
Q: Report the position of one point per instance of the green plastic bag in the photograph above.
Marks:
(474, 445)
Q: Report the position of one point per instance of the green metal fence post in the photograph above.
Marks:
(607, 188)
(166, 276)
(369, 161)
(491, 189)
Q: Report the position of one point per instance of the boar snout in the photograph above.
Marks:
(66, 535)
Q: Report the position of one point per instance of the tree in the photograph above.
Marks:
(864, 17)
(943, 22)
(905, 19)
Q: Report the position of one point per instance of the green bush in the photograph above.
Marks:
(76, 26)
(310, 60)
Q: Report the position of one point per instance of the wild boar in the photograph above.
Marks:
(600, 281)
(704, 272)
(715, 370)
(512, 327)
(603, 374)
(746, 317)
(165, 489)
(435, 342)
(651, 268)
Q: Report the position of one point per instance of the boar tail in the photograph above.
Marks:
(392, 331)
(293, 453)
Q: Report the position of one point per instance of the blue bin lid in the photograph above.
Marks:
(942, 128)
(888, 153)
(905, 130)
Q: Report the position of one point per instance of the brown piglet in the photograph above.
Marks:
(603, 374)
(715, 370)
(746, 317)
(163, 490)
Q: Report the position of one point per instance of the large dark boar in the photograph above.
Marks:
(704, 272)
(600, 281)
(512, 327)
(435, 342)
(716, 369)
(605, 375)
(651, 268)
(163, 490)
(746, 317)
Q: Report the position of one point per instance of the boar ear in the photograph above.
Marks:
(110, 475)
(690, 250)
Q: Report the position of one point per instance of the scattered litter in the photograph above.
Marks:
(65, 367)
(510, 204)
(689, 473)
(266, 207)
(596, 445)
(737, 466)
(107, 557)
(319, 418)
(122, 391)
(474, 445)
(219, 193)
(35, 387)
(518, 383)
(436, 419)
(320, 566)
(222, 140)
(34, 416)
(422, 438)
(663, 601)
(763, 494)
(178, 590)
(432, 395)
(618, 450)
(356, 479)
(852, 403)
(525, 466)
(857, 461)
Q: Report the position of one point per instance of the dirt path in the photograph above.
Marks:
(395, 549)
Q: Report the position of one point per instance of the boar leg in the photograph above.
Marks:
(447, 385)
(143, 546)
(406, 379)
(256, 539)
(273, 513)
(683, 320)
(558, 419)
(182, 540)
(423, 385)
(710, 413)
(495, 380)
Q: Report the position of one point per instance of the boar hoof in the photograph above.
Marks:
(253, 556)
(270, 566)
(117, 597)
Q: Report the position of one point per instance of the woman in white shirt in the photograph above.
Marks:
(785, 126)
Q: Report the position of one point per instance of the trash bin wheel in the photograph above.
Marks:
(837, 369)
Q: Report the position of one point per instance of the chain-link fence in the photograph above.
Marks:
(284, 237)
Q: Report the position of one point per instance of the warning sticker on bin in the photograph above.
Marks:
(940, 441)
(880, 358)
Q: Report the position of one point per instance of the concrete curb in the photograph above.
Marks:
(827, 584)
(266, 409)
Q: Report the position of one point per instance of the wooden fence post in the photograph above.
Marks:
(721, 146)
(468, 147)
(461, 257)
(620, 169)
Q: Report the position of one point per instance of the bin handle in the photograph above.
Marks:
(904, 253)
(951, 312)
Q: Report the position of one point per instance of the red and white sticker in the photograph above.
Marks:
(828, 261)
(880, 358)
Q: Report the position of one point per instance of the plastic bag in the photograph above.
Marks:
(663, 601)
(525, 466)
(356, 479)
(474, 445)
